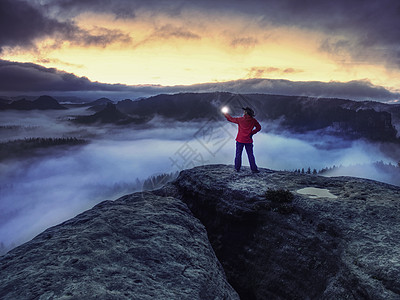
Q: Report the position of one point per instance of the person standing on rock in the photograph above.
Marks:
(248, 126)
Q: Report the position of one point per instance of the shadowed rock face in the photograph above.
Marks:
(340, 241)
(312, 248)
(109, 114)
(138, 247)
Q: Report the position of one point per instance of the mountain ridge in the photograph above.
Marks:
(41, 103)
(351, 119)
(110, 114)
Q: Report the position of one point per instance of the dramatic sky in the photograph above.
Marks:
(329, 48)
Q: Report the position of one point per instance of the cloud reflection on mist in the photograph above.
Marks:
(40, 192)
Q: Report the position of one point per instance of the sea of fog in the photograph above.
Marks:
(41, 191)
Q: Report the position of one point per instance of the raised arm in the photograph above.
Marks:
(231, 119)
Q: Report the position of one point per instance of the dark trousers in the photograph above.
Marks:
(250, 155)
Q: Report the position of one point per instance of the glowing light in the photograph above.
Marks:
(225, 110)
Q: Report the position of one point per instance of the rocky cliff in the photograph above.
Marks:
(275, 235)
(140, 246)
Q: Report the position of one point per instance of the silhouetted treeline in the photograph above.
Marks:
(308, 171)
(121, 188)
(381, 171)
(19, 127)
(157, 181)
(10, 127)
(16, 148)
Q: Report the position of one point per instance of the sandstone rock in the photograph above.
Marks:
(278, 235)
(313, 248)
(140, 246)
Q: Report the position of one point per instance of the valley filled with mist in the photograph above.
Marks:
(58, 161)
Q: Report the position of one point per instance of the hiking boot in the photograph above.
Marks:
(255, 171)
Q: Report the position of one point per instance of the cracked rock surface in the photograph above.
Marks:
(315, 247)
(140, 246)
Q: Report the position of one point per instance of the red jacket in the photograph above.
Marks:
(246, 127)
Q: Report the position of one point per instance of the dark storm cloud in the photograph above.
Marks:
(28, 77)
(21, 23)
(122, 9)
(25, 77)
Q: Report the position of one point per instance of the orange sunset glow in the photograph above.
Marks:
(134, 43)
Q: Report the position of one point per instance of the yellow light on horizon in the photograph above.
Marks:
(175, 60)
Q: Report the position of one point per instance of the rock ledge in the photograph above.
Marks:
(337, 240)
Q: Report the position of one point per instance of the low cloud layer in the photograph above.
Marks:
(17, 78)
(38, 192)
